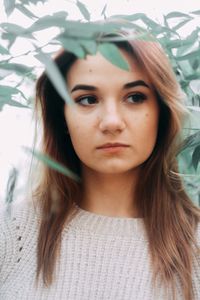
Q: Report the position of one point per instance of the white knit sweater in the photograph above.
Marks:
(101, 258)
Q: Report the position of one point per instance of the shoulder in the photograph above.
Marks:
(19, 224)
(197, 235)
(20, 218)
(196, 266)
(22, 212)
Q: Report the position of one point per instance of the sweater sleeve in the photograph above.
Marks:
(16, 223)
(2, 240)
(196, 268)
(6, 241)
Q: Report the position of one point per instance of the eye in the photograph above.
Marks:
(137, 98)
(86, 100)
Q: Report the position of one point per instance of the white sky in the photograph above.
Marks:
(15, 126)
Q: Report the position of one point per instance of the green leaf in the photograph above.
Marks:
(7, 90)
(181, 24)
(25, 11)
(58, 19)
(9, 6)
(16, 104)
(11, 183)
(190, 55)
(104, 10)
(12, 31)
(3, 50)
(132, 17)
(196, 12)
(177, 14)
(33, 1)
(72, 46)
(113, 54)
(171, 44)
(192, 76)
(52, 163)
(195, 64)
(83, 10)
(13, 28)
(6, 93)
(18, 68)
(10, 38)
(55, 76)
(89, 46)
(196, 157)
(191, 141)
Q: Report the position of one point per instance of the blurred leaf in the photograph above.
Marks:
(10, 38)
(196, 12)
(6, 93)
(25, 11)
(191, 141)
(9, 6)
(7, 90)
(132, 17)
(190, 55)
(18, 68)
(171, 44)
(89, 46)
(52, 163)
(194, 76)
(11, 103)
(195, 63)
(113, 54)
(12, 31)
(33, 1)
(104, 10)
(12, 28)
(58, 19)
(3, 50)
(83, 10)
(55, 76)
(181, 24)
(72, 46)
(177, 14)
(196, 157)
(11, 183)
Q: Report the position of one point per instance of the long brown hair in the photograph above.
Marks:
(169, 215)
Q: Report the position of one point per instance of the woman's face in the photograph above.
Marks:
(111, 106)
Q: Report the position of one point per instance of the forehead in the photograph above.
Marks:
(97, 69)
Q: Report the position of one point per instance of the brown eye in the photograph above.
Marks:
(86, 100)
(136, 98)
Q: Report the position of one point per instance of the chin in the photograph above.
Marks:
(116, 170)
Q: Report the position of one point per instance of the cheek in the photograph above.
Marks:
(78, 131)
(147, 131)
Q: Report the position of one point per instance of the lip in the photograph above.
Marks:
(112, 145)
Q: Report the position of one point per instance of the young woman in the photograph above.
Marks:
(127, 230)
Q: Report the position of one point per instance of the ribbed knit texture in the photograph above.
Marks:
(101, 257)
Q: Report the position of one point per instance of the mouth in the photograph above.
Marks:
(112, 148)
(112, 145)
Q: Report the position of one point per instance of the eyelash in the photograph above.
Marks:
(140, 98)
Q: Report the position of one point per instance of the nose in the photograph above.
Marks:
(111, 118)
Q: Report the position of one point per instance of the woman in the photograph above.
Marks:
(127, 230)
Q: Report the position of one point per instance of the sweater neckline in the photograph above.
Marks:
(106, 225)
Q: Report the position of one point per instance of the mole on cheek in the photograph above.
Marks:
(146, 115)
(90, 70)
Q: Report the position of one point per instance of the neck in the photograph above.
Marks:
(109, 194)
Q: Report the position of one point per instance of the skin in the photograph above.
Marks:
(111, 113)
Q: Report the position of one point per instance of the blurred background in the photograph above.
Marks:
(16, 122)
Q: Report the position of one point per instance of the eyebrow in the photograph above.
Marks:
(126, 86)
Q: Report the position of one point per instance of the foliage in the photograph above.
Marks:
(84, 37)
